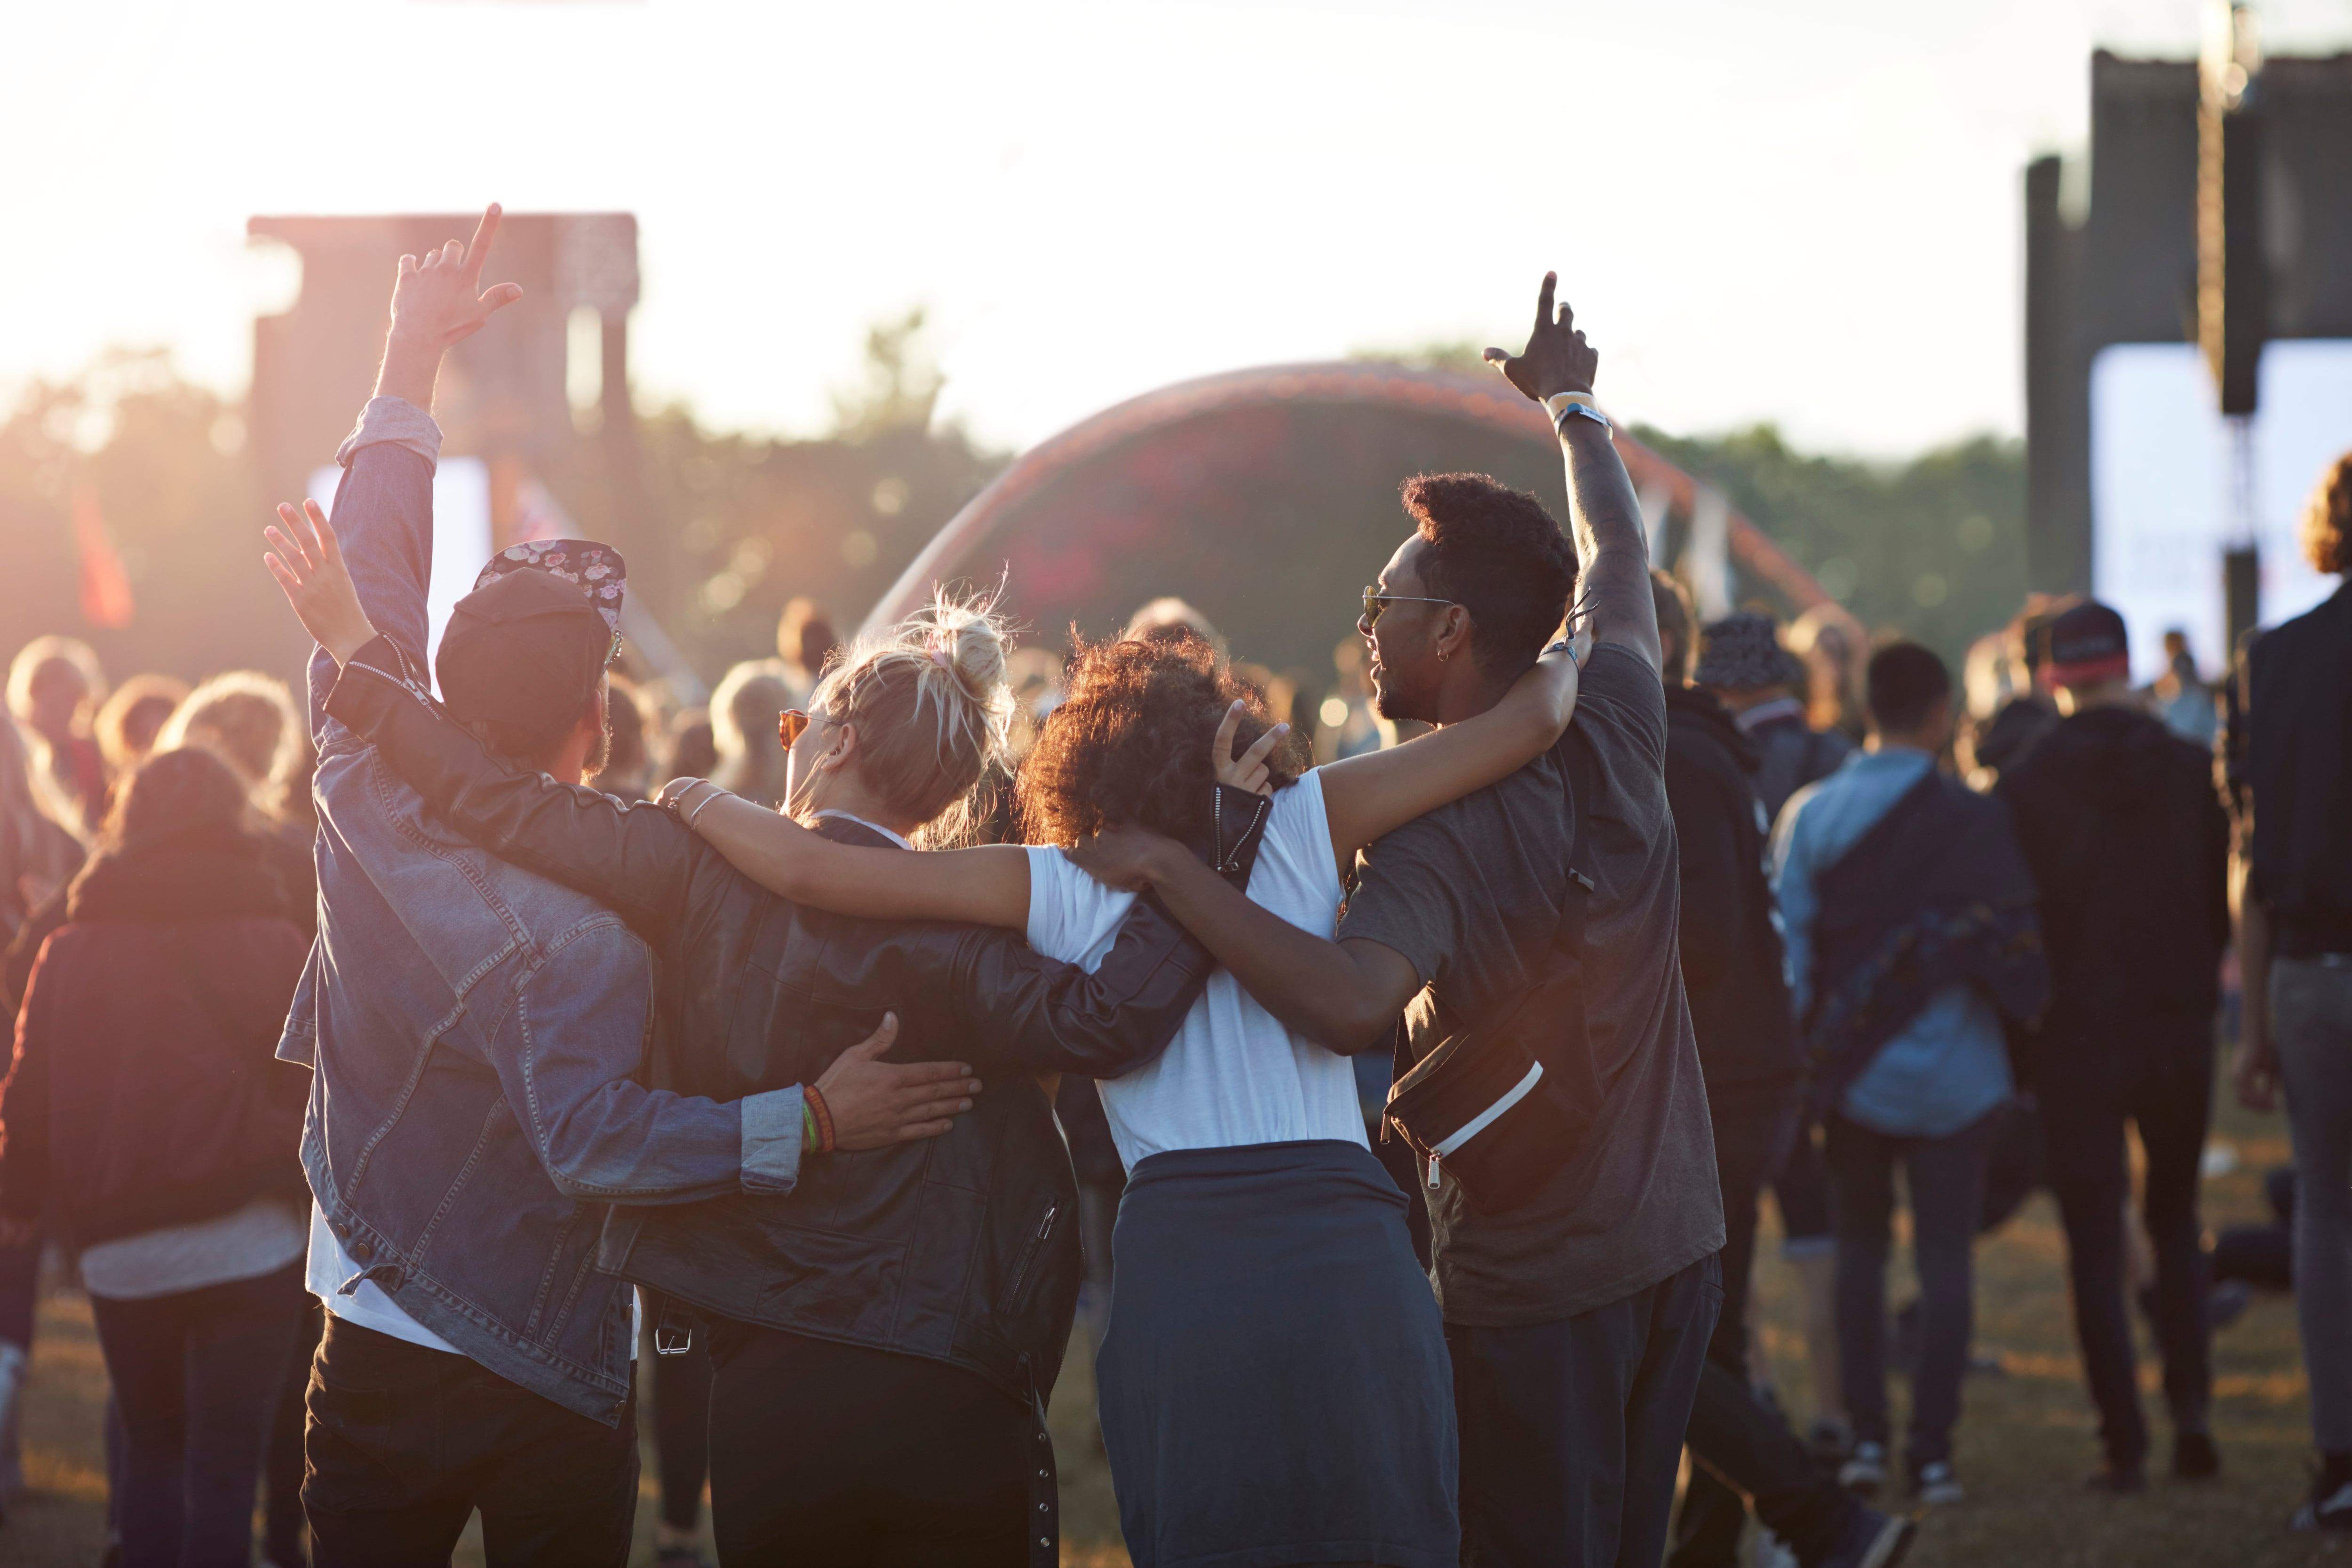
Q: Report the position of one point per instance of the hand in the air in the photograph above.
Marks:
(439, 299)
(1249, 769)
(309, 564)
(876, 1103)
(1557, 358)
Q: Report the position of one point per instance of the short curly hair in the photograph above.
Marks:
(2327, 521)
(1497, 553)
(1129, 742)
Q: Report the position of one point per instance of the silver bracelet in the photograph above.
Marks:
(715, 793)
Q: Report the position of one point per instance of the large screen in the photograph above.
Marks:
(2162, 508)
(461, 535)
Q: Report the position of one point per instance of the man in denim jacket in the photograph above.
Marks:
(475, 1033)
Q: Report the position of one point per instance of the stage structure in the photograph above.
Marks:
(511, 445)
(1268, 497)
(2189, 340)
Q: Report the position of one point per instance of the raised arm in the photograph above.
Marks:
(384, 500)
(1366, 797)
(986, 885)
(1612, 553)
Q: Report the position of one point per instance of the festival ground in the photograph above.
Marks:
(2025, 1441)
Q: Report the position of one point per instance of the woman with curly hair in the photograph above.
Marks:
(1274, 1381)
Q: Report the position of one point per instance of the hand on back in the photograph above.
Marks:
(875, 1103)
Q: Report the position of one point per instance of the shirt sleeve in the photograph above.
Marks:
(382, 516)
(1409, 897)
(1071, 917)
(601, 1135)
(1792, 885)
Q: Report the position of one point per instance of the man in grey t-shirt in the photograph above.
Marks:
(1578, 1319)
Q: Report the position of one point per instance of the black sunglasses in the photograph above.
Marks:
(1376, 602)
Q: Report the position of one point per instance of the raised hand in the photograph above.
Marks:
(309, 564)
(439, 299)
(1557, 358)
(875, 1103)
(1247, 771)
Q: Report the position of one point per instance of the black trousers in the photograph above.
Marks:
(404, 1443)
(832, 1455)
(2169, 1095)
(681, 1411)
(1743, 1446)
(197, 1376)
(1572, 1431)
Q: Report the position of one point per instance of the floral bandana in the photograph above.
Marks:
(597, 569)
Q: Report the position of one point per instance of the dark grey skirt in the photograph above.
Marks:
(1275, 1385)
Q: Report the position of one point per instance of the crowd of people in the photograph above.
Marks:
(1396, 1113)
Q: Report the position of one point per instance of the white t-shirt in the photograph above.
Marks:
(260, 1238)
(371, 1308)
(1234, 1074)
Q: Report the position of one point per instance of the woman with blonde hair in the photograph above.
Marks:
(248, 720)
(884, 1327)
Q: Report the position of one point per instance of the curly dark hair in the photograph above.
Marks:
(1130, 742)
(1497, 553)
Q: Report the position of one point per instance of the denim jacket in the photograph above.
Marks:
(475, 1033)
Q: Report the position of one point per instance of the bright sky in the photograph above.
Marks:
(1805, 213)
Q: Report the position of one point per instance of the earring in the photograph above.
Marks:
(1441, 655)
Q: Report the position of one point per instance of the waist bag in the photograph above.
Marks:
(1502, 1106)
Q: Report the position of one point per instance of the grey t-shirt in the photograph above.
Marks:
(1471, 894)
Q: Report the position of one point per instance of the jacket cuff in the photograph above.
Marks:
(771, 1141)
(378, 674)
(397, 421)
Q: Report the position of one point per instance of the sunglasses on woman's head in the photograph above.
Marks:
(1375, 602)
(790, 723)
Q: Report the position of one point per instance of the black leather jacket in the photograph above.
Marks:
(964, 1247)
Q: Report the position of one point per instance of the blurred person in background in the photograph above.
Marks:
(40, 847)
(1910, 912)
(630, 728)
(128, 724)
(1822, 638)
(1355, 726)
(1170, 611)
(804, 640)
(1733, 972)
(54, 687)
(2027, 713)
(1743, 666)
(146, 1107)
(2185, 703)
(693, 745)
(744, 712)
(1740, 661)
(2293, 890)
(248, 720)
(40, 850)
(2130, 848)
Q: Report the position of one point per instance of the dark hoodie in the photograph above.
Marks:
(2130, 847)
(1733, 962)
(146, 1091)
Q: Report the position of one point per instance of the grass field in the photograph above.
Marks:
(2025, 1442)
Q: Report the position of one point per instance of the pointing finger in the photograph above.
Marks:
(484, 232)
(1220, 750)
(1543, 303)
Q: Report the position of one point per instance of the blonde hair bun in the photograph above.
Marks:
(932, 706)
